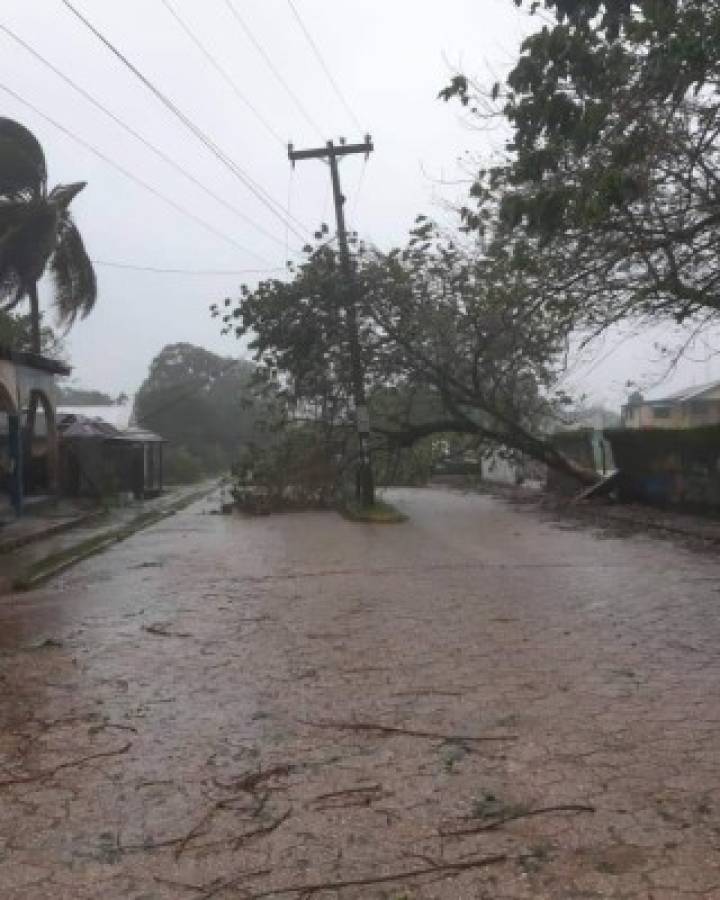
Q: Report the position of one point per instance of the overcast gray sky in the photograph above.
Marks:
(389, 59)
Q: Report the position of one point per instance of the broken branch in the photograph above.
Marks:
(250, 781)
(48, 773)
(307, 890)
(409, 732)
(498, 823)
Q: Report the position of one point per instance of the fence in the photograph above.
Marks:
(668, 466)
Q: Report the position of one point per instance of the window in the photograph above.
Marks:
(662, 412)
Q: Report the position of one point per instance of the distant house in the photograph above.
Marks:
(97, 459)
(117, 415)
(689, 408)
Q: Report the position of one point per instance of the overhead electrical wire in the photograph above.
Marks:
(223, 73)
(278, 75)
(128, 174)
(130, 130)
(323, 64)
(159, 270)
(256, 189)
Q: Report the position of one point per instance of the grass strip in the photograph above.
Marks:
(380, 513)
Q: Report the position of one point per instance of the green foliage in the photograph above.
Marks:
(612, 172)
(180, 466)
(407, 466)
(302, 469)
(16, 332)
(22, 162)
(74, 396)
(449, 343)
(380, 513)
(205, 403)
(36, 229)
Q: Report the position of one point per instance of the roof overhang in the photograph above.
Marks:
(34, 361)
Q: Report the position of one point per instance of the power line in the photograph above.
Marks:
(150, 146)
(128, 174)
(261, 50)
(325, 68)
(222, 72)
(257, 190)
(163, 271)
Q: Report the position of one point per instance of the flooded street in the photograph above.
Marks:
(478, 703)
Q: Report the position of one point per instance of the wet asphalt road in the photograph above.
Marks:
(195, 713)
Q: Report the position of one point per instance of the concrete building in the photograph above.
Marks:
(28, 460)
(688, 408)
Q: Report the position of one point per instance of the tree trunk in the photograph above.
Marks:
(538, 449)
(35, 341)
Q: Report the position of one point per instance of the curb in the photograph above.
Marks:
(12, 544)
(57, 563)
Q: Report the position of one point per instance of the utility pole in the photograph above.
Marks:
(331, 152)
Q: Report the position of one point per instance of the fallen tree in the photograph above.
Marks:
(453, 338)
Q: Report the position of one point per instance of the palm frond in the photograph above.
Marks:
(27, 238)
(23, 173)
(73, 273)
(62, 195)
(13, 288)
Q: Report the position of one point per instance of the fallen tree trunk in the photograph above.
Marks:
(538, 448)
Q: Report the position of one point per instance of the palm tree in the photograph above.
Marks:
(37, 231)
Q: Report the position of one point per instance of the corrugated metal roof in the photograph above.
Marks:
(77, 426)
(119, 416)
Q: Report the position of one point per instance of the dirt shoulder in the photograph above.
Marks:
(700, 532)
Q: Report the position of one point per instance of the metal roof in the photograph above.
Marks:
(76, 425)
(139, 436)
(34, 361)
(688, 393)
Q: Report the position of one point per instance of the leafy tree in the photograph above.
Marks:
(37, 230)
(612, 175)
(16, 331)
(75, 396)
(450, 343)
(205, 403)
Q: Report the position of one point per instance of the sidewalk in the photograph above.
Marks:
(42, 545)
(43, 520)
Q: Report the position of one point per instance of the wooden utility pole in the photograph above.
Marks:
(330, 152)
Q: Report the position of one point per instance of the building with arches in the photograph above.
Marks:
(28, 454)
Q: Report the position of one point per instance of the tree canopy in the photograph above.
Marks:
(16, 331)
(37, 230)
(450, 342)
(200, 401)
(611, 175)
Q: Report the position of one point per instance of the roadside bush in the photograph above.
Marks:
(181, 466)
(302, 470)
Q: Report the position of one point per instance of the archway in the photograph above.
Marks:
(11, 470)
(41, 445)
